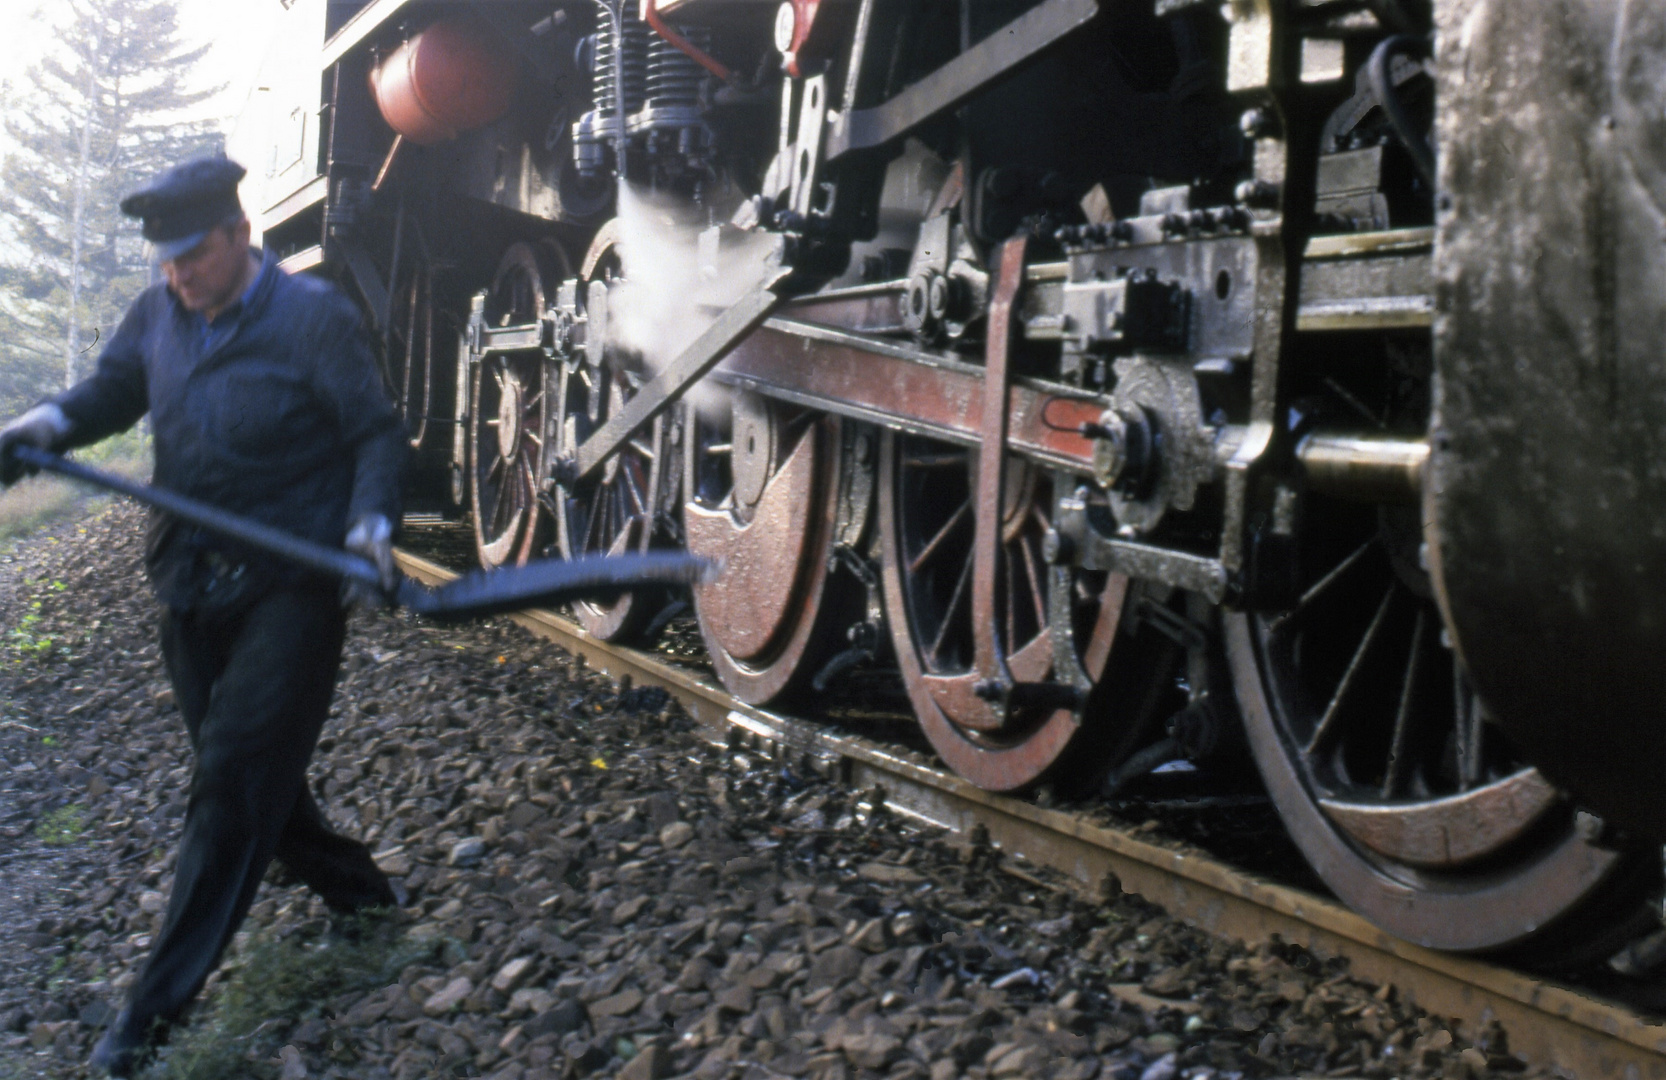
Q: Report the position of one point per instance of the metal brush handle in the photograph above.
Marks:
(472, 595)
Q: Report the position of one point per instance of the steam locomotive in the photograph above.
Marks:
(1268, 380)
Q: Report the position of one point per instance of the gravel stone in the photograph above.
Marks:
(467, 853)
(562, 1018)
(836, 966)
(598, 892)
(511, 975)
(675, 835)
(448, 997)
(626, 1001)
(652, 1062)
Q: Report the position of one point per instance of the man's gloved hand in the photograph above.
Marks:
(372, 537)
(43, 426)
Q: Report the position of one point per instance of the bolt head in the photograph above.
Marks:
(1257, 193)
(786, 25)
(939, 298)
(917, 302)
(1256, 123)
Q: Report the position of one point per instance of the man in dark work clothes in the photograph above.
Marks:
(265, 400)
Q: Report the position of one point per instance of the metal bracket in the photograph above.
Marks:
(369, 281)
(806, 153)
(1096, 549)
(989, 665)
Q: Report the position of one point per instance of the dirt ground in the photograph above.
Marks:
(595, 891)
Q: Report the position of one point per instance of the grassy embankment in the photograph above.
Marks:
(41, 500)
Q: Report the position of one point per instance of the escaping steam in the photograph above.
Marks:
(668, 297)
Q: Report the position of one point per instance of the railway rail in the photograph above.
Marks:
(1550, 1024)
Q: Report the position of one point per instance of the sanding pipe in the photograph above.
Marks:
(475, 594)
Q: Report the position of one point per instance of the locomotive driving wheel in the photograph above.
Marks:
(1395, 784)
(764, 480)
(509, 414)
(927, 513)
(619, 508)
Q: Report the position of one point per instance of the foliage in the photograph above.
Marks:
(289, 978)
(99, 113)
(62, 826)
(26, 640)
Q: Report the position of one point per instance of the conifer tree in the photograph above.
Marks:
(104, 109)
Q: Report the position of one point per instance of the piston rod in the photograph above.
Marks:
(1369, 468)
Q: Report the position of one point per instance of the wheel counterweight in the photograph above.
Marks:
(763, 482)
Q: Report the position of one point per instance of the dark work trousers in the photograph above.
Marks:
(254, 690)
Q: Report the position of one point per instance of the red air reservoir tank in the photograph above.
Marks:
(446, 80)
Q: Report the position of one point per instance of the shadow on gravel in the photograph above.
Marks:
(275, 986)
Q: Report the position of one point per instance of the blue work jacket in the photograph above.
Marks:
(275, 411)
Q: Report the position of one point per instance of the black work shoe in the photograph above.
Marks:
(127, 1045)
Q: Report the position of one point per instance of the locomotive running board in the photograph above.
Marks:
(474, 595)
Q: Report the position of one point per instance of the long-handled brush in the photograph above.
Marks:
(478, 593)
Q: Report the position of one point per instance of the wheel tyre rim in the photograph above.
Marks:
(1004, 761)
(1437, 911)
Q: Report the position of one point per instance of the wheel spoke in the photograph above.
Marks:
(622, 509)
(1032, 567)
(1468, 720)
(961, 514)
(613, 517)
(1011, 612)
(489, 516)
(588, 542)
(1353, 401)
(1320, 586)
(633, 491)
(504, 507)
(949, 612)
(1402, 715)
(525, 487)
(1333, 709)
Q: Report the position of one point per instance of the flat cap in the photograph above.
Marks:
(184, 203)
